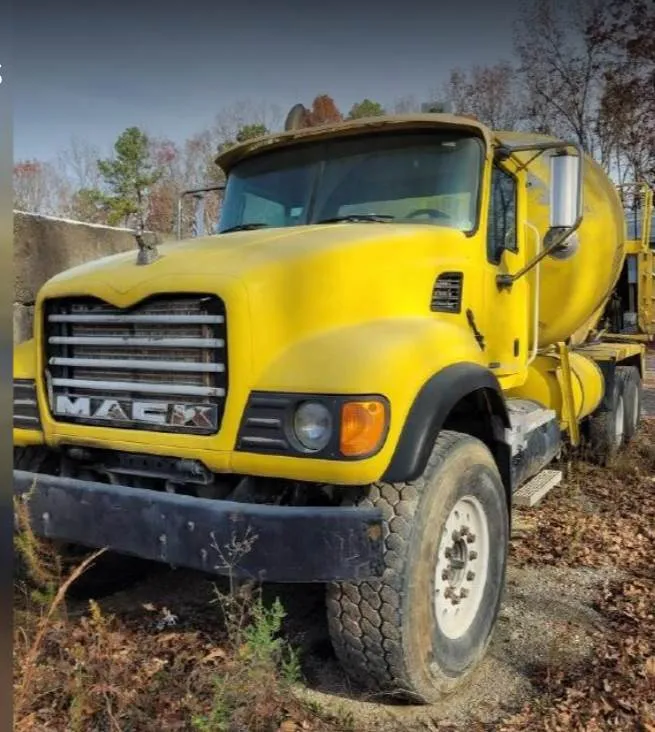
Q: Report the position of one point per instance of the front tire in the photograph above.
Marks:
(420, 630)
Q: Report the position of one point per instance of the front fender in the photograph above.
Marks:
(430, 409)
(394, 358)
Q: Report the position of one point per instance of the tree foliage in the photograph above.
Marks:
(324, 111)
(366, 108)
(251, 132)
(129, 176)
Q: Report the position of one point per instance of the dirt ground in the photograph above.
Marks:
(575, 644)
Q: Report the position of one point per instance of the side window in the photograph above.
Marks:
(501, 231)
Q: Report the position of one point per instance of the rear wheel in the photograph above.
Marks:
(630, 380)
(607, 427)
(420, 630)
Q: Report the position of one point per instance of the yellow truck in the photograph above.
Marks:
(388, 342)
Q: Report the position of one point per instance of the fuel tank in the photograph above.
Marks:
(576, 283)
(542, 384)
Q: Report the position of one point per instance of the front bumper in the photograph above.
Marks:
(267, 543)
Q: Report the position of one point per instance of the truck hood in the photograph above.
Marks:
(284, 288)
(248, 256)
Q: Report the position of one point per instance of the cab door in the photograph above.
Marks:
(508, 310)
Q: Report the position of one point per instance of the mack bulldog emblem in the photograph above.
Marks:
(172, 414)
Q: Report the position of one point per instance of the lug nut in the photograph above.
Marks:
(445, 574)
(473, 555)
(455, 535)
(470, 576)
(464, 530)
(448, 553)
(455, 601)
(448, 592)
(470, 538)
(463, 592)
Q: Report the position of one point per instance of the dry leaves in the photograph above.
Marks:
(602, 518)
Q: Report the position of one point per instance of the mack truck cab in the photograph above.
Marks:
(390, 336)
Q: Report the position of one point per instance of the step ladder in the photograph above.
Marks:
(532, 492)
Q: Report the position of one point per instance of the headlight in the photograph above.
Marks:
(312, 426)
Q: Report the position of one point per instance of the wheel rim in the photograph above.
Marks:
(619, 422)
(462, 567)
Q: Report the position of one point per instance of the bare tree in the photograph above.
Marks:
(563, 61)
(38, 188)
(491, 94)
(231, 119)
(79, 164)
(406, 105)
(628, 104)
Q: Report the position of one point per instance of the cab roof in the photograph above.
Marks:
(233, 155)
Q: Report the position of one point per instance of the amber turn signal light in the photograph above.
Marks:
(362, 427)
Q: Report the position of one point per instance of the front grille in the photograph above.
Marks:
(159, 366)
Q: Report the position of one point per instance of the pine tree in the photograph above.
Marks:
(129, 175)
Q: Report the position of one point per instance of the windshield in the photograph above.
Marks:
(431, 178)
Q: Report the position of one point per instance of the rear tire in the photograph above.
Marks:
(607, 427)
(630, 380)
(420, 630)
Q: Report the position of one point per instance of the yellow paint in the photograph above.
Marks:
(565, 380)
(619, 351)
(574, 291)
(344, 321)
(646, 292)
(543, 385)
(345, 309)
(24, 360)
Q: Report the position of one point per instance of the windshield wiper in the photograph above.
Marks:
(244, 227)
(356, 218)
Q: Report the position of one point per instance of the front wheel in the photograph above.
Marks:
(420, 630)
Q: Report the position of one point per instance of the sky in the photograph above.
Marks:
(89, 69)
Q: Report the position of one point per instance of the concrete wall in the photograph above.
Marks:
(45, 246)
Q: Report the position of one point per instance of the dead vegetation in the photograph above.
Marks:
(602, 519)
(81, 667)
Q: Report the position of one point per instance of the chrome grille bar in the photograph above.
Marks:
(172, 319)
(140, 386)
(135, 341)
(138, 364)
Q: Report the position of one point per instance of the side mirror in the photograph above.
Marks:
(198, 195)
(565, 190)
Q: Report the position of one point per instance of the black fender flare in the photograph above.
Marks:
(430, 409)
